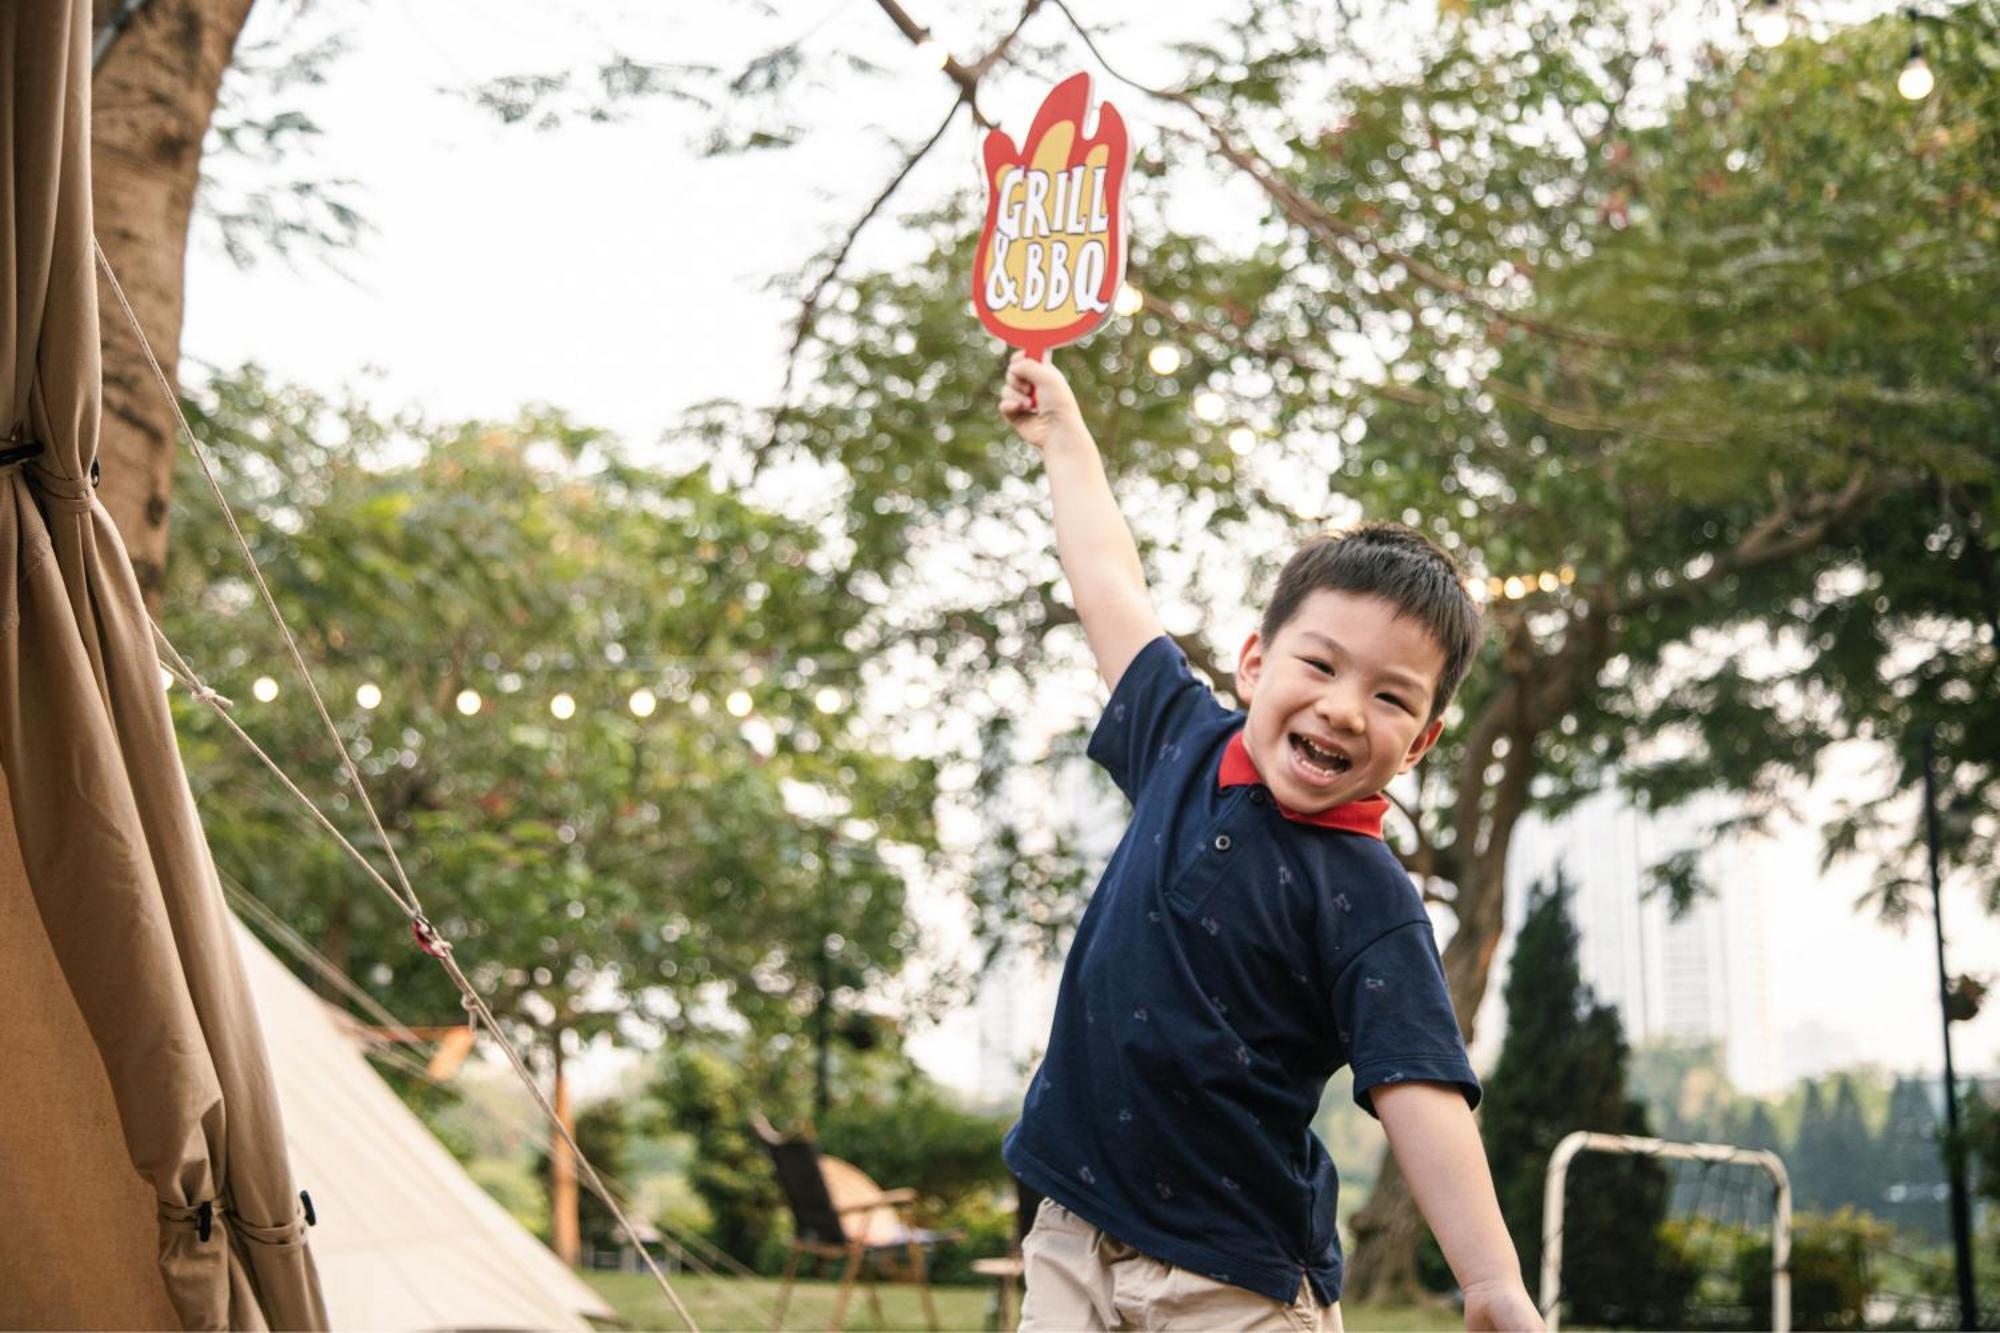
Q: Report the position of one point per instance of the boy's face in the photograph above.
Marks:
(1338, 700)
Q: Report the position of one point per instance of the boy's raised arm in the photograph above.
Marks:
(1099, 557)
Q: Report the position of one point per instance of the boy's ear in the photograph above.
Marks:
(1249, 666)
(1421, 745)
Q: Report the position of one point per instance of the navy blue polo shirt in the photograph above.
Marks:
(1234, 956)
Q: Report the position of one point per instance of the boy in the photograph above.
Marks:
(1251, 934)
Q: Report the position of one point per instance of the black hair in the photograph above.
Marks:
(1399, 564)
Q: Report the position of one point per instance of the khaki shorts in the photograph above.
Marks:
(1078, 1279)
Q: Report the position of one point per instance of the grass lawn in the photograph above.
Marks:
(746, 1303)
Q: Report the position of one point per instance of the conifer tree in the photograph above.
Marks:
(1911, 1156)
(1562, 1068)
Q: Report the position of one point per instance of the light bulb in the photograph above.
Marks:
(1130, 300)
(643, 702)
(369, 696)
(1515, 587)
(1768, 24)
(1242, 440)
(1165, 358)
(265, 689)
(738, 704)
(1209, 406)
(827, 700)
(563, 706)
(468, 702)
(1916, 80)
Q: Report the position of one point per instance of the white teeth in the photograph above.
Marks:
(1322, 759)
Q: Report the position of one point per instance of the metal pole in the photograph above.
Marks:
(1954, 1155)
(822, 1096)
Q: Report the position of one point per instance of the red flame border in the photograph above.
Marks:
(1068, 100)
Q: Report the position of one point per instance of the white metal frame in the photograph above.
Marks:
(1585, 1141)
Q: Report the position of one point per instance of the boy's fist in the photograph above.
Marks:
(1037, 402)
(1503, 1306)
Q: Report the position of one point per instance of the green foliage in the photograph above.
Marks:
(1830, 1264)
(705, 1094)
(907, 1131)
(590, 870)
(888, 1119)
(1562, 1069)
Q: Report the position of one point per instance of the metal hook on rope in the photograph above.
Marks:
(427, 937)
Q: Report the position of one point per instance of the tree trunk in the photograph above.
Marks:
(563, 1224)
(1537, 688)
(153, 97)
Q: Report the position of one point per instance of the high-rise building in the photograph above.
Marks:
(1698, 977)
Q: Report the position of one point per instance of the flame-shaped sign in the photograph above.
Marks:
(1052, 253)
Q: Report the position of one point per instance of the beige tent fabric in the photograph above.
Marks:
(105, 829)
(406, 1239)
(62, 1159)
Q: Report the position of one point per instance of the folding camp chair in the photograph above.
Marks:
(1007, 1270)
(839, 1213)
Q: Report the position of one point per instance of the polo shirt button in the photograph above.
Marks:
(1258, 796)
(1222, 842)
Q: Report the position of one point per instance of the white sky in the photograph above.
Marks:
(609, 271)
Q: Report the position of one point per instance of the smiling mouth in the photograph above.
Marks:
(1326, 763)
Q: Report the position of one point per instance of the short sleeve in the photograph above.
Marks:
(1156, 702)
(1394, 1016)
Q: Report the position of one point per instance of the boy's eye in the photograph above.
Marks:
(1394, 700)
(1318, 665)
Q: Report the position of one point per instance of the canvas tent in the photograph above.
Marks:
(405, 1239)
(145, 1170)
(146, 1053)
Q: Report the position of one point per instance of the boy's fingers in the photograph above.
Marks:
(1031, 373)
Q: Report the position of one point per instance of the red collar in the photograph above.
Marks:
(1362, 816)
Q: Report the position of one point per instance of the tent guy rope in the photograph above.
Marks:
(427, 937)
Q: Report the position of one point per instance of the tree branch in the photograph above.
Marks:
(809, 307)
(1768, 541)
(1328, 226)
(114, 28)
(966, 76)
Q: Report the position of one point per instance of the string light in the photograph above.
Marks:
(369, 696)
(468, 702)
(827, 700)
(1517, 586)
(1242, 440)
(1916, 80)
(1209, 406)
(1768, 24)
(738, 703)
(1130, 300)
(563, 706)
(264, 689)
(1165, 358)
(643, 702)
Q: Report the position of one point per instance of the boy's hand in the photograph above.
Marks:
(1038, 404)
(1503, 1305)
